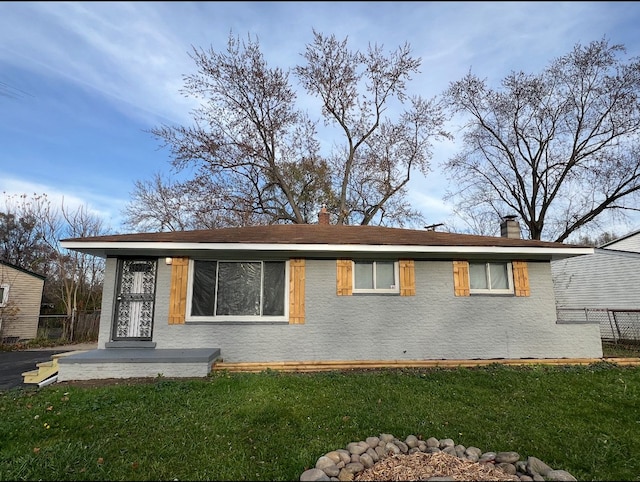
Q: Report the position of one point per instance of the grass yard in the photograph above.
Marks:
(272, 426)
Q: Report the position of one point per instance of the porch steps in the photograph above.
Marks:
(46, 369)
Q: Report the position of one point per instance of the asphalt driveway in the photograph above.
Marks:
(14, 363)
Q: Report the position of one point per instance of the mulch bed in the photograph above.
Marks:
(422, 466)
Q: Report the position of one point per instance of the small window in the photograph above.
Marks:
(492, 278)
(237, 290)
(4, 295)
(375, 277)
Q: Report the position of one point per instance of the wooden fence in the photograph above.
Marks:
(86, 326)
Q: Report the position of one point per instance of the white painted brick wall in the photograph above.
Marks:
(434, 324)
(92, 371)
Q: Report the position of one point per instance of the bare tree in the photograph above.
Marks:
(246, 135)
(374, 166)
(559, 149)
(79, 276)
(30, 233)
(24, 241)
(164, 205)
(257, 158)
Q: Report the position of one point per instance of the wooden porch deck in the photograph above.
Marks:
(314, 366)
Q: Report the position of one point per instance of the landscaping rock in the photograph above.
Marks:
(345, 464)
(372, 442)
(411, 441)
(560, 475)
(313, 475)
(433, 442)
(537, 466)
(487, 457)
(356, 448)
(354, 467)
(507, 457)
(366, 460)
(447, 442)
(507, 468)
(324, 461)
(334, 455)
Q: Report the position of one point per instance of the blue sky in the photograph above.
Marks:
(81, 83)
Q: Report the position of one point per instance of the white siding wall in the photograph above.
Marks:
(605, 279)
(434, 324)
(631, 243)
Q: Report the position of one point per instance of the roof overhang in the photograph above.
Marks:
(168, 249)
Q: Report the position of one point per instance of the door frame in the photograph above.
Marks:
(117, 293)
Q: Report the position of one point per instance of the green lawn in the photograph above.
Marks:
(272, 426)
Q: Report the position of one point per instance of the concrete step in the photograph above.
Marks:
(138, 362)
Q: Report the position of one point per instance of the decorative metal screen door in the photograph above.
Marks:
(135, 299)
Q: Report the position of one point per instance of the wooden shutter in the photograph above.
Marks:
(407, 277)
(344, 282)
(178, 293)
(461, 278)
(520, 278)
(296, 291)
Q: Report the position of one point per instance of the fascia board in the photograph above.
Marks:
(150, 247)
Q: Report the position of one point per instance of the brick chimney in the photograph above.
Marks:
(509, 227)
(323, 216)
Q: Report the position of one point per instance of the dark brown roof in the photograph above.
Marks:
(321, 234)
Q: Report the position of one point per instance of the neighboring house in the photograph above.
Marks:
(603, 288)
(20, 299)
(174, 303)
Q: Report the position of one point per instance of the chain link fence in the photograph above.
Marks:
(616, 326)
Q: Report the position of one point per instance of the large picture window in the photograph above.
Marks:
(492, 278)
(238, 290)
(375, 277)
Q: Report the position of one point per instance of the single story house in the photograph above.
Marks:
(603, 288)
(174, 303)
(20, 299)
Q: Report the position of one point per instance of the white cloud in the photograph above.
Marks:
(104, 207)
(135, 53)
(124, 51)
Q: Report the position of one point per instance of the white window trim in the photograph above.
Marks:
(489, 291)
(237, 318)
(396, 276)
(5, 295)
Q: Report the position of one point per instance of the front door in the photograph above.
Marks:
(135, 299)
